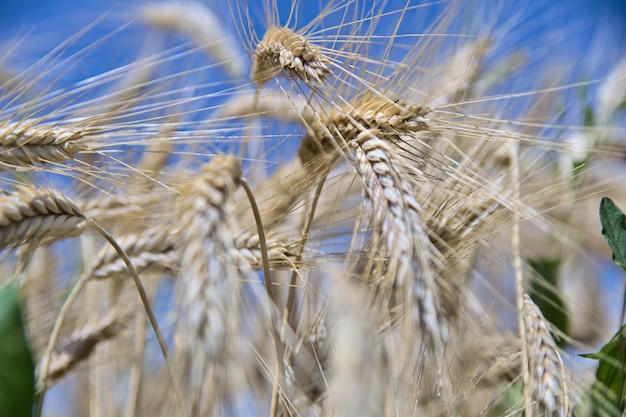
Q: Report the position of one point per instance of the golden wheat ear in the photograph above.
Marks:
(281, 49)
(210, 271)
(30, 214)
(548, 381)
(27, 144)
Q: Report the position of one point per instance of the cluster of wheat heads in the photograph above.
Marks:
(342, 216)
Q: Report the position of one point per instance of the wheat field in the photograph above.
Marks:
(387, 209)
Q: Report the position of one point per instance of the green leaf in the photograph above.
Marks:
(545, 295)
(608, 389)
(614, 229)
(17, 367)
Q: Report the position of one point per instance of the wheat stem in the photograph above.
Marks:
(519, 275)
(278, 344)
(289, 316)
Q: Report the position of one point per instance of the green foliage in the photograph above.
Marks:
(614, 230)
(545, 295)
(608, 389)
(17, 367)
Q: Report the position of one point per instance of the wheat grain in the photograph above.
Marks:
(281, 49)
(30, 214)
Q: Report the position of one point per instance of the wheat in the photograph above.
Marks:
(281, 49)
(30, 214)
(151, 251)
(388, 173)
(24, 144)
(81, 344)
(209, 272)
(155, 251)
(199, 23)
(547, 377)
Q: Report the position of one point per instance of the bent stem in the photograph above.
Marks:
(288, 316)
(279, 381)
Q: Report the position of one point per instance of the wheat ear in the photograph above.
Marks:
(29, 214)
(281, 49)
(81, 344)
(26, 144)
(196, 21)
(209, 271)
(545, 367)
(370, 128)
(152, 250)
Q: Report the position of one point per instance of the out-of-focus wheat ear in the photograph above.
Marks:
(196, 21)
(209, 274)
(455, 81)
(29, 214)
(151, 251)
(611, 93)
(356, 389)
(308, 362)
(286, 187)
(548, 380)
(271, 103)
(27, 144)
(456, 230)
(81, 344)
(280, 50)
(281, 253)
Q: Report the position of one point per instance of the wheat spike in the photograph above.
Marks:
(81, 344)
(282, 49)
(210, 269)
(25, 144)
(547, 378)
(153, 250)
(30, 213)
(370, 128)
(386, 119)
(410, 256)
(156, 251)
(196, 21)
